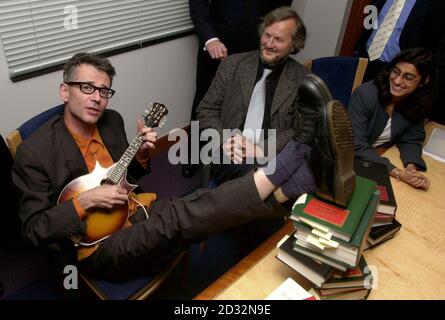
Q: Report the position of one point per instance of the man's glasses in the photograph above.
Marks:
(408, 78)
(88, 88)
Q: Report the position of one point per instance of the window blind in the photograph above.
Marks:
(39, 34)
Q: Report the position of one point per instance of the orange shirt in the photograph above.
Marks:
(93, 149)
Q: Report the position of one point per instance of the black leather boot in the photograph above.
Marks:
(332, 158)
(313, 94)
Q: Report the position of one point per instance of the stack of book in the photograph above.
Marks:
(354, 284)
(385, 224)
(329, 239)
(333, 235)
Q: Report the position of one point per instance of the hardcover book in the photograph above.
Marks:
(312, 270)
(323, 259)
(378, 173)
(342, 222)
(348, 253)
(371, 246)
(360, 294)
(358, 277)
(377, 234)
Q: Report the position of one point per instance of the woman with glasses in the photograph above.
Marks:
(390, 110)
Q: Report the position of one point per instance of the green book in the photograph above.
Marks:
(350, 252)
(342, 222)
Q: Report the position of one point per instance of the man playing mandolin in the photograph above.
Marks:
(89, 138)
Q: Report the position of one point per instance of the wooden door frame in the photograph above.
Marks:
(354, 27)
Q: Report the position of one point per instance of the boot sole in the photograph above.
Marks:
(342, 146)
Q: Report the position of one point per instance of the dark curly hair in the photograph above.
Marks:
(417, 105)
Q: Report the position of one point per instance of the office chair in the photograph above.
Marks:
(26, 129)
(137, 288)
(341, 74)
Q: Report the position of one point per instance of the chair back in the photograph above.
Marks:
(341, 74)
(26, 129)
(137, 288)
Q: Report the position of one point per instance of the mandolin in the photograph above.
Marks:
(101, 223)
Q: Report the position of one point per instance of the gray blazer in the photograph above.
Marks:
(369, 119)
(226, 103)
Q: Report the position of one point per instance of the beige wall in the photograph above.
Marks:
(325, 21)
(163, 73)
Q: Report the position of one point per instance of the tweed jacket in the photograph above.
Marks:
(226, 103)
(369, 119)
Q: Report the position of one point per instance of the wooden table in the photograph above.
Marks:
(409, 266)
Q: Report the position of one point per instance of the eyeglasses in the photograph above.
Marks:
(88, 88)
(408, 78)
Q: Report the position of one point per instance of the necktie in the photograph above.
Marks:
(385, 30)
(255, 113)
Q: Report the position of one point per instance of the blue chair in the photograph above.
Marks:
(137, 288)
(26, 129)
(341, 74)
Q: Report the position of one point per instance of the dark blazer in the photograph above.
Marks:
(422, 29)
(369, 119)
(234, 22)
(226, 103)
(47, 161)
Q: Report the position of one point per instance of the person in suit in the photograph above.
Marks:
(67, 146)
(420, 25)
(226, 104)
(223, 27)
(391, 110)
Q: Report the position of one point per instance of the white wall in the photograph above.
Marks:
(325, 21)
(162, 73)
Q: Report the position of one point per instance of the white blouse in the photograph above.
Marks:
(385, 136)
